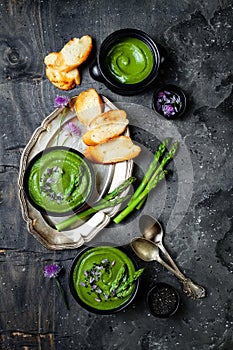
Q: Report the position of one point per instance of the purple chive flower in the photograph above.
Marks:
(168, 110)
(113, 262)
(91, 280)
(82, 284)
(98, 300)
(50, 180)
(160, 94)
(52, 271)
(72, 130)
(61, 101)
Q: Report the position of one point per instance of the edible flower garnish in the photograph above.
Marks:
(52, 271)
(61, 101)
(120, 287)
(72, 130)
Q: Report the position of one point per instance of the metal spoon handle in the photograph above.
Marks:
(167, 255)
(169, 268)
(192, 289)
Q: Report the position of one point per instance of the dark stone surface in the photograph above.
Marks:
(197, 37)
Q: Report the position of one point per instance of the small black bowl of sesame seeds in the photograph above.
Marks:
(163, 300)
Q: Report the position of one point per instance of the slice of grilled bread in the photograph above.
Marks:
(112, 116)
(61, 67)
(116, 150)
(75, 52)
(63, 80)
(104, 133)
(88, 105)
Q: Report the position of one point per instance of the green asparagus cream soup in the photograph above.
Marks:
(130, 61)
(59, 181)
(104, 278)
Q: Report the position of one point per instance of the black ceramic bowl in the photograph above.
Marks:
(100, 70)
(43, 172)
(87, 294)
(169, 101)
(163, 300)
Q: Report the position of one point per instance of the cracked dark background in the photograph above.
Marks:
(197, 37)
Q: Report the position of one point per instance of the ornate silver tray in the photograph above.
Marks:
(51, 133)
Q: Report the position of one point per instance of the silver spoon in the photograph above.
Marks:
(152, 230)
(148, 251)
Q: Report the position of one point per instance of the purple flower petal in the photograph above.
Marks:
(72, 130)
(160, 94)
(104, 261)
(61, 101)
(167, 109)
(98, 300)
(82, 284)
(52, 271)
(50, 180)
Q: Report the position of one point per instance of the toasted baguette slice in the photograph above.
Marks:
(113, 116)
(51, 59)
(74, 53)
(104, 133)
(116, 150)
(62, 80)
(88, 105)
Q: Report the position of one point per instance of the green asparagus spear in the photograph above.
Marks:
(152, 184)
(120, 188)
(99, 206)
(108, 201)
(164, 162)
(121, 273)
(124, 288)
(152, 167)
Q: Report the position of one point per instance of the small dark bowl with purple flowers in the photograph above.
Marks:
(169, 101)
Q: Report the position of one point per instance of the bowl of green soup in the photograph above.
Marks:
(128, 62)
(59, 181)
(104, 279)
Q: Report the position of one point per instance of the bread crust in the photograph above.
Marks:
(61, 67)
(104, 133)
(88, 105)
(112, 116)
(62, 80)
(112, 151)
